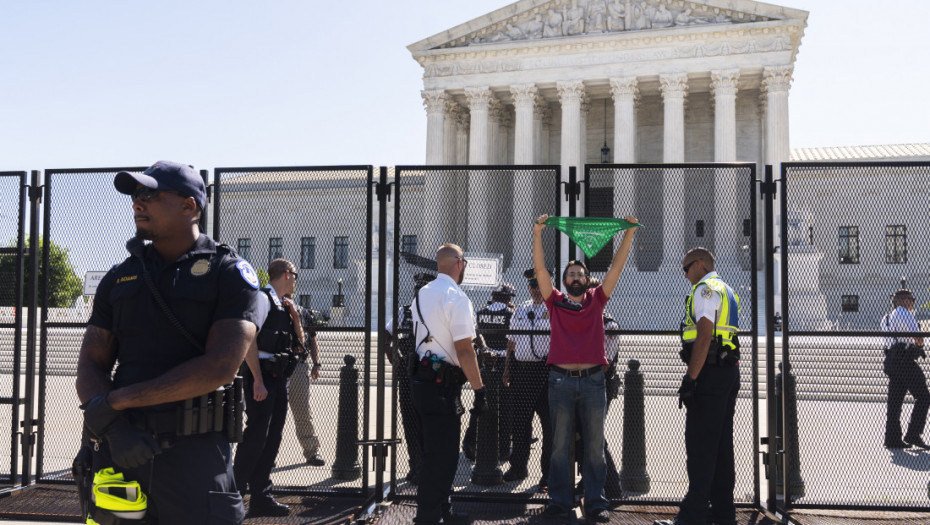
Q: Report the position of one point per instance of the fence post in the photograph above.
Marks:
(633, 475)
(346, 464)
(786, 385)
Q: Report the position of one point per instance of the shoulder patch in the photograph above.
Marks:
(248, 273)
(707, 293)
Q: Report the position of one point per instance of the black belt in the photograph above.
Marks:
(577, 373)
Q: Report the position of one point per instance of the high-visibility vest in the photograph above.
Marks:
(114, 495)
(727, 323)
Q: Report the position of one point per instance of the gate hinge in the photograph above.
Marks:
(572, 190)
(767, 189)
(35, 193)
(383, 191)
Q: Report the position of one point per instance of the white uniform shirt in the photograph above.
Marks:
(611, 342)
(523, 347)
(389, 327)
(448, 313)
(899, 320)
(706, 303)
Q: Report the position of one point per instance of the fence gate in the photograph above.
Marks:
(320, 219)
(648, 304)
(13, 192)
(845, 248)
(488, 211)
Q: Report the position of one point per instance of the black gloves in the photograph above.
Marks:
(129, 446)
(481, 402)
(686, 391)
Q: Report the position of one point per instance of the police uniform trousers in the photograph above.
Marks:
(440, 410)
(409, 418)
(709, 445)
(492, 369)
(529, 394)
(905, 375)
(261, 439)
(299, 400)
(189, 483)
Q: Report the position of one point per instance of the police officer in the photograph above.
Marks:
(525, 376)
(708, 391)
(444, 328)
(176, 318)
(493, 317)
(904, 374)
(270, 362)
(403, 334)
(299, 390)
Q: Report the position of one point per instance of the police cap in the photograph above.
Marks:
(530, 275)
(165, 175)
(504, 289)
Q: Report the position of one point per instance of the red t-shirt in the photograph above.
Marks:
(577, 336)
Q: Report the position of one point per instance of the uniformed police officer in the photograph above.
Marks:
(270, 362)
(492, 318)
(444, 328)
(298, 391)
(186, 347)
(709, 390)
(405, 347)
(904, 374)
(525, 375)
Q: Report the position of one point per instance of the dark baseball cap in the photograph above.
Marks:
(165, 175)
(504, 288)
(530, 275)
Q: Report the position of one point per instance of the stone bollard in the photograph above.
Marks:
(487, 472)
(633, 476)
(346, 465)
(794, 453)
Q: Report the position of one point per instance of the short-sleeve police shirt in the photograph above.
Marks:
(448, 313)
(899, 320)
(206, 284)
(706, 303)
(530, 316)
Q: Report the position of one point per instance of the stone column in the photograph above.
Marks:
(461, 137)
(625, 92)
(542, 117)
(571, 94)
(479, 103)
(728, 191)
(776, 81)
(674, 90)
(448, 133)
(435, 103)
(524, 104)
(461, 177)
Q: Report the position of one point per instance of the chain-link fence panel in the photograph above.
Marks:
(645, 428)
(854, 402)
(319, 219)
(12, 273)
(86, 224)
(489, 212)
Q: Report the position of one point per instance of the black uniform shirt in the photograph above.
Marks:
(204, 285)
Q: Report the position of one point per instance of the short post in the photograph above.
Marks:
(633, 476)
(346, 465)
(487, 472)
(790, 392)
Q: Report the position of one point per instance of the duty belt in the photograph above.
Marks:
(218, 411)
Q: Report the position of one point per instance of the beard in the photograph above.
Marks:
(461, 278)
(144, 234)
(575, 289)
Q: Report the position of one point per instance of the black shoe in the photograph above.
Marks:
(598, 516)
(557, 513)
(543, 486)
(469, 450)
(316, 460)
(917, 442)
(889, 443)
(413, 477)
(514, 474)
(267, 506)
(455, 518)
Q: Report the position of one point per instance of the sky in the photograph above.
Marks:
(105, 83)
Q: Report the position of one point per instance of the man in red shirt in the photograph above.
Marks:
(577, 362)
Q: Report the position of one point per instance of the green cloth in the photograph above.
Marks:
(591, 234)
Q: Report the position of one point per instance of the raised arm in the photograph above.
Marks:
(619, 260)
(539, 258)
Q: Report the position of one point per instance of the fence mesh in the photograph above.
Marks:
(848, 248)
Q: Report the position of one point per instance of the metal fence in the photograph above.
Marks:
(844, 251)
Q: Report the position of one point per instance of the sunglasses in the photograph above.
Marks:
(687, 267)
(464, 261)
(292, 272)
(145, 194)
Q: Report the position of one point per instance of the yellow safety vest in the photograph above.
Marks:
(727, 323)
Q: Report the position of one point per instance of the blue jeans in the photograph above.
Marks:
(583, 398)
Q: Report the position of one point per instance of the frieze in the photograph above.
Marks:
(568, 18)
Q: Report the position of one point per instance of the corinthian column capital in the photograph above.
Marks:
(625, 87)
(777, 78)
(478, 98)
(571, 91)
(434, 101)
(724, 82)
(674, 86)
(524, 94)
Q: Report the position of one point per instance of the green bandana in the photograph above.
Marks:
(591, 234)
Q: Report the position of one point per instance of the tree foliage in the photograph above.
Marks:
(64, 284)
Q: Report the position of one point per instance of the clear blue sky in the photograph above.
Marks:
(238, 83)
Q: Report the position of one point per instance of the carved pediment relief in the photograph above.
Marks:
(573, 18)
